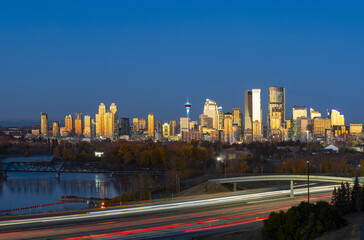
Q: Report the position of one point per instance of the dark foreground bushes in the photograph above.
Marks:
(305, 221)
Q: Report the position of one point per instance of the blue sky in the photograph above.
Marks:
(148, 56)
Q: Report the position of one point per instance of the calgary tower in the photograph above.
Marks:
(188, 106)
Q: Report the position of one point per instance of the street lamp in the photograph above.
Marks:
(220, 159)
(308, 181)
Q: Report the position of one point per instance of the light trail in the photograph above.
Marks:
(162, 207)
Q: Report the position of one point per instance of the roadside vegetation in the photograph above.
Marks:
(310, 220)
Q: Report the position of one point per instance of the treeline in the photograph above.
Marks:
(347, 199)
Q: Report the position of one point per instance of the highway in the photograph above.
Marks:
(180, 219)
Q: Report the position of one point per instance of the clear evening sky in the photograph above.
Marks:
(62, 57)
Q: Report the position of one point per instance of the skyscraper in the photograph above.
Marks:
(173, 126)
(68, 121)
(136, 125)
(151, 126)
(299, 111)
(125, 127)
(115, 126)
(210, 110)
(257, 114)
(220, 116)
(253, 116)
(100, 121)
(276, 109)
(109, 125)
(44, 124)
(337, 119)
(228, 128)
(237, 119)
(166, 130)
(248, 116)
(87, 126)
(78, 124)
(56, 129)
(159, 127)
(184, 124)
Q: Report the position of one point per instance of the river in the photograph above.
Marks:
(40, 192)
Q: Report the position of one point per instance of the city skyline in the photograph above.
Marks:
(140, 52)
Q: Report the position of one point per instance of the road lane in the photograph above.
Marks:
(175, 219)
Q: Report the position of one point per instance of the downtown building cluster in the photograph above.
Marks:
(214, 124)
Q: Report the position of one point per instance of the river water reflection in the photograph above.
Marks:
(24, 189)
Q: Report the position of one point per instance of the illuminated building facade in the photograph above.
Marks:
(56, 130)
(220, 115)
(68, 123)
(173, 125)
(257, 115)
(356, 129)
(210, 110)
(184, 124)
(44, 124)
(337, 119)
(151, 126)
(166, 130)
(237, 119)
(248, 116)
(228, 128)
(299, 111)
(100, 121)
(314, 114)
(78, 124)
(276, 109)
(206, 121)
(320, 127)
(87, 126)
(115, 121)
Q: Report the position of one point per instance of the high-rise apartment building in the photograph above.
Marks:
(314, 114)
(142, 124)
(78, 124)
(228, 128)
(237, 119)
(276, 109)
(114, 111)
(159, 127)
(44, 124)
(56, 129)
(87, 126)
(68, 121)
(125, 127)
(206, 121)
(210, 110)
(109, 125)
(173, 126)
(136, 125)
(184, 124)
(299, 111)
(337, 119)
(151, 126)
(320, 127)
(166, 130)
(220, 116)
(100, 121)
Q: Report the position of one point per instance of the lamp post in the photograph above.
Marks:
(220, 159)
(308, 181)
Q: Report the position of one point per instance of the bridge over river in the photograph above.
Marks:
(70, 167)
